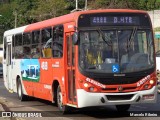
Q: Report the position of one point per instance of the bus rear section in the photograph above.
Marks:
(116, 59)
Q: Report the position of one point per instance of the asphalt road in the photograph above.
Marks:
(49, 111)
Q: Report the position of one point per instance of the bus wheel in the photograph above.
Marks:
(21, 96)
(123, 107)
(63, 108)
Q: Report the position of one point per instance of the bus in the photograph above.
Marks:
(82, 59)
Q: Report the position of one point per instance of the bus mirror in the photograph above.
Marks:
(75, 38)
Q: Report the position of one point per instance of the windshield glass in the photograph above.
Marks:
(116, 51)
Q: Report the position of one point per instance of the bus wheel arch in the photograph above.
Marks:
(58, 98)
(63, 108)
(55, 85)
(17, 81)
(20, 93)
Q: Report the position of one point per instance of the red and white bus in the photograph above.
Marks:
(86, 58)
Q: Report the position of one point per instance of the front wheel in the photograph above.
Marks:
(63, 108)
(21, 96)
(123, 107)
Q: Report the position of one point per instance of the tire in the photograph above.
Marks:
(21, 96)
(62, 108)
(123, 107)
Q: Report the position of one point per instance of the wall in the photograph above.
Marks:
(155, 18)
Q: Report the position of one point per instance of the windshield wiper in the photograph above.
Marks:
(103, 37)
(129, 41)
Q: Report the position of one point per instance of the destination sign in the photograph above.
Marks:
(115, 20)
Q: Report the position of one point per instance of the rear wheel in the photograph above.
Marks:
(123, 107)
(21, 96)
(63, 108)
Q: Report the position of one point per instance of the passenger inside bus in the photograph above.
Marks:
(36, 54)
(94, 49)
(125, 50)
(47, 50)
(26, 52)
(57, 48)
(131, 58)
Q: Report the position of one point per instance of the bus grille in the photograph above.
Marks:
(115, 89)
(118, 80)
(119, 97)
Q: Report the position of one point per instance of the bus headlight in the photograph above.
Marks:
(86, 85)
(151, 82)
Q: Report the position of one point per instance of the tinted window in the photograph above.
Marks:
(58, 41)
(18, 49)
(36, 37)
(18, 39)
(26, 38)
(47, 43)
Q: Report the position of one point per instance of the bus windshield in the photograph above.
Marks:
(116, 50)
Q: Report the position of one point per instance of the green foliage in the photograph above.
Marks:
(22, 10)
(6, 19)
(52, 8)
(131, 4)
(157, 29)
(99, 4)
(71, 4)
(30, 11)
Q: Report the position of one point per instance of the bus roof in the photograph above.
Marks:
(64, 19)
(15, 31)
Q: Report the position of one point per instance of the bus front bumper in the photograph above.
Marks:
(86, 99)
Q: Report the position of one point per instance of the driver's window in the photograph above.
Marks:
(142, 41)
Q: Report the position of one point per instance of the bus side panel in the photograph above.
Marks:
(59, 74)
(42, 88)
(4, 73)
(15, 72)
(22, 67)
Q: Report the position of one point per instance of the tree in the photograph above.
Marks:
(72, 4)
(131, 4)
(23, 10)
(53, 8)
(6, 19)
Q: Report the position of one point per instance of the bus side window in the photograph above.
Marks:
(58, 41)
(46, 43)
(4, 52)
(18, 46)
(26, 52)
(36, 37)
(13, 43)
(35, 47)
(26, 38)
(35, 51)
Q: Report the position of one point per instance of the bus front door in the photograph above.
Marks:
(71, 71)
(9, 63)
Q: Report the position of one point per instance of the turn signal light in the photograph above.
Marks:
(146, 86)
(91, 89)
